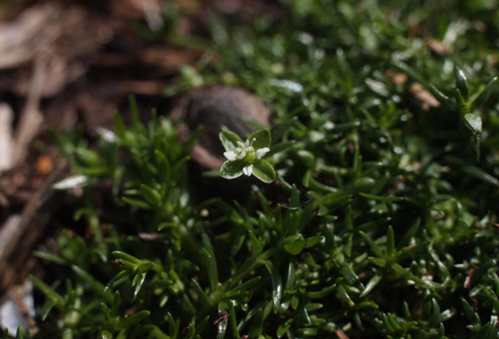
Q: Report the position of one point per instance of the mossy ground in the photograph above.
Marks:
(383, 224)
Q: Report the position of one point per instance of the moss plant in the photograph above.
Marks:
(383, 222)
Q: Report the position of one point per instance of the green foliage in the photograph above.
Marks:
(382, 224)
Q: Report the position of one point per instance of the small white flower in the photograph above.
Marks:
(260, 153)
(239, 152)
(230, 155)
(248, 170)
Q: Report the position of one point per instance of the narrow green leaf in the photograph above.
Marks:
(50, 257)
(96, 285)
(473, 122)
(122, 334)
(151, 195)
(45, 310)
(137, 283)
(322, 293)
(134, 110)
(348, 273)
(125, 257)
(481, 97)
(233, 321)
(371, 284)
(342, 294)
(462, 82)
(211, 266)
(313, 241)
(135, 319)
(290, 276)
(276, 284)
(480, 174)
(119, 126)
(264, 171)
(118, 279)
(52, 295)
(284, 328)
(390, 242)
(435, 316)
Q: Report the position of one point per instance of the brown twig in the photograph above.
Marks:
(6, 139)
(22, 233)
(31, 118)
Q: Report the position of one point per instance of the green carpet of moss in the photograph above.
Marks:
(383, 222)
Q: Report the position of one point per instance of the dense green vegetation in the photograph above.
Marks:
(383, 219)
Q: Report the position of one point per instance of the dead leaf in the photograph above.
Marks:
(425, 98)
(341, 335)
(398, 78)
(438, 46)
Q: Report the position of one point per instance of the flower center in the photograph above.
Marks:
(250, 156)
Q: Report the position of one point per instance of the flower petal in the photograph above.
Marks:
(260, 153)
(230, 155)
(248, 170)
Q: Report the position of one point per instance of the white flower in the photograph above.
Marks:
(230, 155)
(260, 153)
(239, 152)
(248, 170)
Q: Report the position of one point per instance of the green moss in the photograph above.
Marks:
(385, 225)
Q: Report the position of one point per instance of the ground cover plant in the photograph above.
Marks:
(371, 212)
